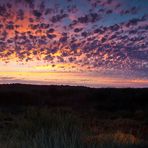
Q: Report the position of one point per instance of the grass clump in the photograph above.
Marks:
(59, 128)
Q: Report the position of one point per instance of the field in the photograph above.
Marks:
(72, 117)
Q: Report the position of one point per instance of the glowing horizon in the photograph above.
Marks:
(66, 78)
(103, 44)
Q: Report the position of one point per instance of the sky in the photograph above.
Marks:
(95, 43)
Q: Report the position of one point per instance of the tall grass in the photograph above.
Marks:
(44, 128)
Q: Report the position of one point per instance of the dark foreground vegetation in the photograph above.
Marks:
(72, 117)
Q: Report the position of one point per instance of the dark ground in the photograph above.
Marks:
(106, 112)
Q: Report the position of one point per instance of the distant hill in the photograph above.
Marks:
(77, 97)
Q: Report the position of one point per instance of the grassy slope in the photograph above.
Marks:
(64, 116)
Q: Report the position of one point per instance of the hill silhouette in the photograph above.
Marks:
(76, 96)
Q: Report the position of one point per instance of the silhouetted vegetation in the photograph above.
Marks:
(102, 99)
(72, 117)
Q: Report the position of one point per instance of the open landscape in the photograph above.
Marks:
(73, 73)
(72, 117)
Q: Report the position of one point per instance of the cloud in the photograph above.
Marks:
(93, 37)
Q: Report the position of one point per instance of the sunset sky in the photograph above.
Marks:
(95, 43)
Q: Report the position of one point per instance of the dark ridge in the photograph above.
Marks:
(110, 99)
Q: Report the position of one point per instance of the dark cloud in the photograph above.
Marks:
(20, 14)
(37, 13)
(89, 18)
(58, 17)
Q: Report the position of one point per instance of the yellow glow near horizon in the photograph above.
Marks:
(65, 78)
(40, 66)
